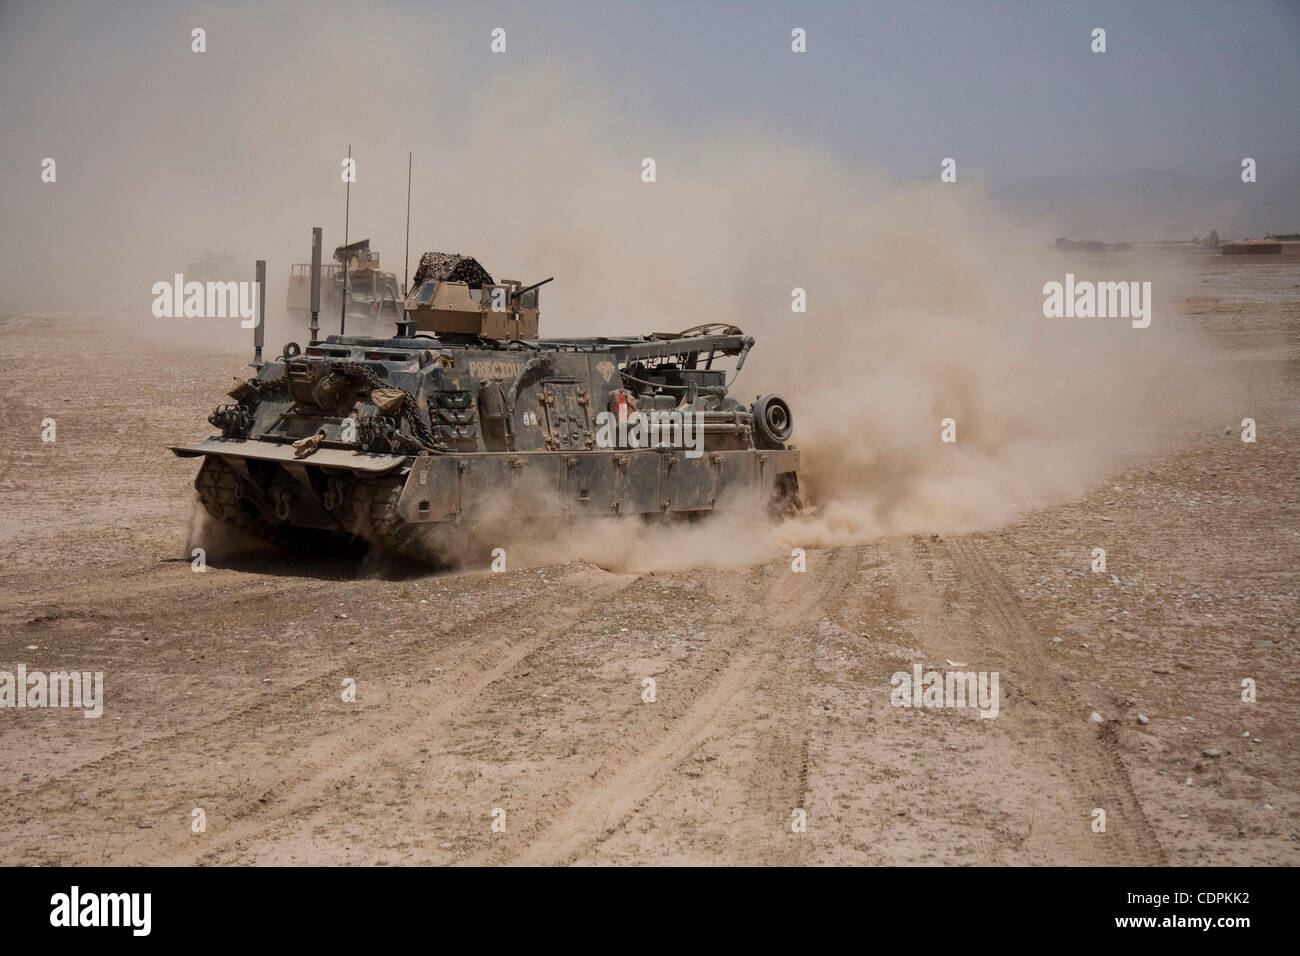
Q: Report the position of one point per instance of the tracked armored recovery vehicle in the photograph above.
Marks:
(465, 415)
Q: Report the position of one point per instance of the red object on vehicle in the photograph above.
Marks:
(621, 403)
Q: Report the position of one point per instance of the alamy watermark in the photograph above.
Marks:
(656, 429)
(75, 908)
(80, 689)
(1098, 300)
(205, 300)
(952, 688)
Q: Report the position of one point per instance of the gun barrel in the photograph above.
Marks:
(530, 288)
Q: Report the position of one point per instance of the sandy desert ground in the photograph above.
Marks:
(522, 690)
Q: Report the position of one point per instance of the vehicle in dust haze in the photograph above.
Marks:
(374, 297)
(466, 416)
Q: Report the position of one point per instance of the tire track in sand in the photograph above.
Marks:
(402, 729)
(631, 773)
(1100, 777)
(283, 707)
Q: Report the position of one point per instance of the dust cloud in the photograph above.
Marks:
(924, 300)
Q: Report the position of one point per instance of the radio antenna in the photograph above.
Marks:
(347, 212)
(406, 256)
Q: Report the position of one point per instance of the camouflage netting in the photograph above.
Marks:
(448, 267)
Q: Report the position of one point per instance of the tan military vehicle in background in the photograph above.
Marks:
(374, 297)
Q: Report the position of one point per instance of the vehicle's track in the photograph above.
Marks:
(285, 705)
(636, 768)
(577, 821)
(1093, 763)
(495, 648)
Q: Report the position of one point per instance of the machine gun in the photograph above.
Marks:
(529, 288)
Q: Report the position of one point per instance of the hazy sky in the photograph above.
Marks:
(1011, 87)
(170, 150)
